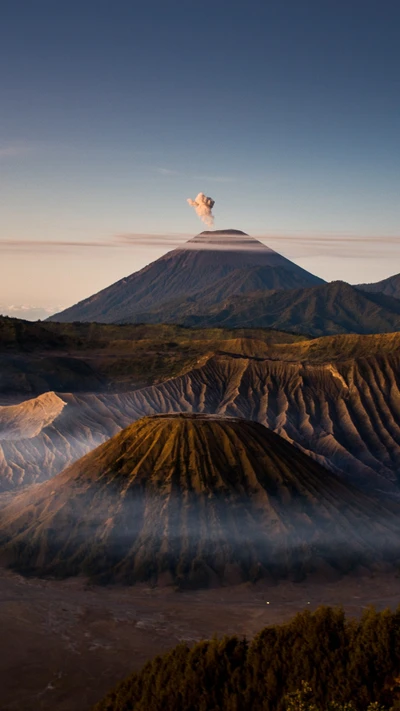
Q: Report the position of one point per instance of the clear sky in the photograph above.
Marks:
(113, 112)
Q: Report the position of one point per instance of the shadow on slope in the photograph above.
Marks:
(195, 500)
(323, 310)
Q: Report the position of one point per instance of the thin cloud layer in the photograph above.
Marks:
(215, 178)
(335, 245)
(29, 312)
(14, 150)
(166, 171)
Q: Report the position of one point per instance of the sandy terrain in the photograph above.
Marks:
(64, 644)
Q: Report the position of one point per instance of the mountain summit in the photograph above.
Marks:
(181, 273)
(195, 499)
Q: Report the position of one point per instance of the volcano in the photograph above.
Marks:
(195, 500)
(203, 261)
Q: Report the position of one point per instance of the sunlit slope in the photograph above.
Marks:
(195, 500)
(337, 398)
(28, 419)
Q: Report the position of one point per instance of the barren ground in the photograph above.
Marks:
(64, 644)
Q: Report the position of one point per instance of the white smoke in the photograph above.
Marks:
(203, 206)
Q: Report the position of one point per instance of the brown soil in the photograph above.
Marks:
(64, 644)
(198, 500)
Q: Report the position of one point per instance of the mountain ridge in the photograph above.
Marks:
(389, 286)
(327, 309)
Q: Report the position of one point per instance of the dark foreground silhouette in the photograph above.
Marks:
(318, 658)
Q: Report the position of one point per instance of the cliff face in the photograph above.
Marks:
(345, 413)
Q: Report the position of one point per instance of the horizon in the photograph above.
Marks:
(313, 249)
(199, 350)
(286, 115)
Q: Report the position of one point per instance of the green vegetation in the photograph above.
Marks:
(319, 661)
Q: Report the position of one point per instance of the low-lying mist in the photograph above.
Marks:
(188, 539)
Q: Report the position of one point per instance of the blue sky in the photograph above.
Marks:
(113, 113)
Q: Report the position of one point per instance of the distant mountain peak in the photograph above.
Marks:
(200, 263)
(389, 286)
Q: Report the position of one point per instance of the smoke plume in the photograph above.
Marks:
(203, 206)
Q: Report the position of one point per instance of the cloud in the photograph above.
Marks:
(209, 178)
(346, 246)
(19, 246)
(203, 206)
(14, 150)
(32, 246)
(29, 312)
(166, 171)
(134, 239)
(339, 245)
(292, 245)
(215, 178)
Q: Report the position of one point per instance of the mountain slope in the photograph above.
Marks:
(337, 398)
(182, 272)
(328, 309)
(28, 419)
(195, 500)
(389, 286)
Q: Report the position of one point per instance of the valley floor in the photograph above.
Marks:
(64, 644)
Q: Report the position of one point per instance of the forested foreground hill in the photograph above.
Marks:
(343, 661)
